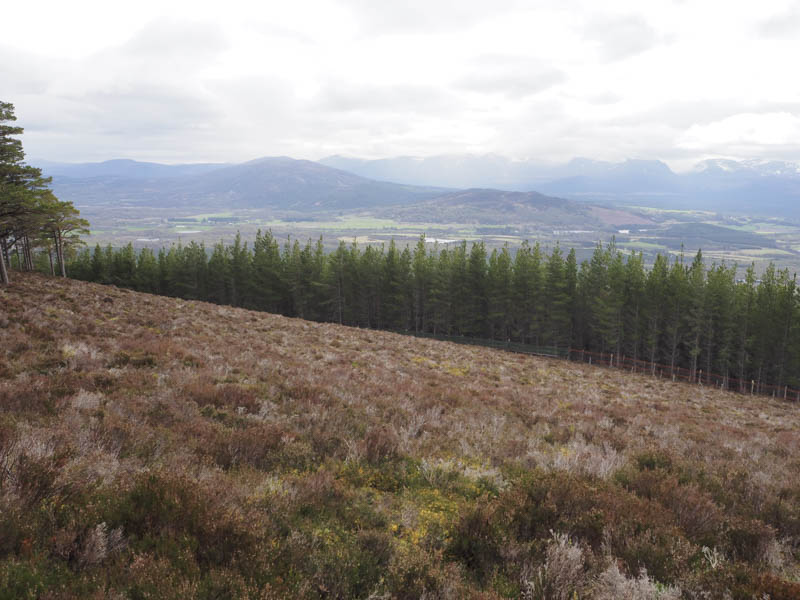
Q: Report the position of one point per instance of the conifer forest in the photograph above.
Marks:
(678, 314)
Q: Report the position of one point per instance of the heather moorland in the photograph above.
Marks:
(152, 447)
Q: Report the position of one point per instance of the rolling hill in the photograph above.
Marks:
(499, 207)
(154, 447)
(303, 189)
(279, 183)
(766, 188)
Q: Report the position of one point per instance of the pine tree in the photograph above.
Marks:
(476, 317)
(395, 279)
(29, 212)
(500, 294)
(785, 323)
(422, 276)
(146, 279)
(528, 293)
(634, 317)
(556, 301)
(655, 295)
(268, 288)
(719, 314)
(219, 276)
(676, 300)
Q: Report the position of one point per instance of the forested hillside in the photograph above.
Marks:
(152, 447)
(681, 313)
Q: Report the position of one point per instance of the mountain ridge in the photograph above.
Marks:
(771, 188)
(294, 189)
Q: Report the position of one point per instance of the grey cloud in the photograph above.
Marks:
(782, 26)
(348, 97)
(140, 95)
(425, 16)
(271, 30)
(513, 76)
(621, 37)
(682, 115)
(149, 110)
(146, 111)
(23, 73)
(176, 40)
(604, 98)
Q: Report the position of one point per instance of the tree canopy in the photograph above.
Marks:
(30, 214)
(676, 315)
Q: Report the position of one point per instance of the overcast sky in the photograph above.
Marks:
(544, 80)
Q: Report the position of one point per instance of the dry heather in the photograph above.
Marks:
(159, 448)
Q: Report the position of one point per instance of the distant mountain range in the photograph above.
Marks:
(756, 187)
(299, 189)
(279, 183)
(498, 190)
(124, 168)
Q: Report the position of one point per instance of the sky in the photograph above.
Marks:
(197, 81)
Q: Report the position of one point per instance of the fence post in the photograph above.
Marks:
(785, 391)
(700, 377)
(752, 386)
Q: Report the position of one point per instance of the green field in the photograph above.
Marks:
(733, 239)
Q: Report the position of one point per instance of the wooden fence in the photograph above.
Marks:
(676, 373)
(612, 360)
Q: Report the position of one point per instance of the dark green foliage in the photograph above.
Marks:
(678, 317)
(30, 215)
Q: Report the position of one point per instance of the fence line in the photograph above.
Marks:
(516, 347)
(612, 360)
(700, 377)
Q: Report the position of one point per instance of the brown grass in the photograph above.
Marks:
(301, 459)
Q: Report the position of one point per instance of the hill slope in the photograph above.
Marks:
(152, 447)
(267, 183)
(769, 188)
(499, 207)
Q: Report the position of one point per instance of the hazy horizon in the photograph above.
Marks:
(685, 167)
(547, 81)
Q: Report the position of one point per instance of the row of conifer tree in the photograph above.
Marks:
(678, 313)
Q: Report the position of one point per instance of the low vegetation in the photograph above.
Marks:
(159, 448)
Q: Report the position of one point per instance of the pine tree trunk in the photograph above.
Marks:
(60, 250)
(52, 267)
(784, 343)
(28, 254)
(4, 279)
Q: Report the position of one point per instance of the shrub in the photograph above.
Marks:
(23, 580)
(561, 577)
(380, 444)
(475, 540)
(260, 446)
(170, 514)
(227, 395)
(749, 539)
(613, 585)
(651, 460)
(138, 359)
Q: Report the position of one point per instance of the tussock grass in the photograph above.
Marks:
(151, 447)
